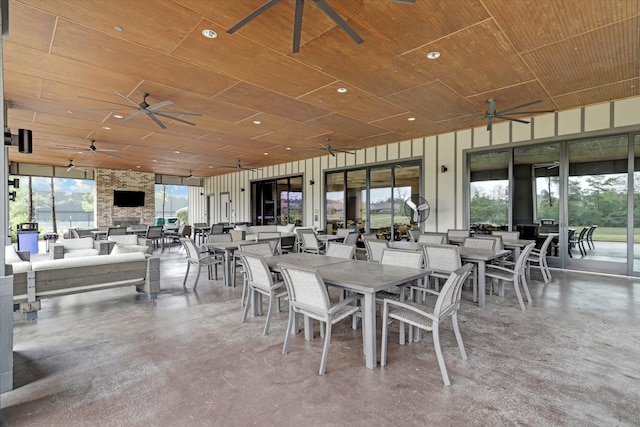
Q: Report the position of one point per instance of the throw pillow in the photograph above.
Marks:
(118, 249)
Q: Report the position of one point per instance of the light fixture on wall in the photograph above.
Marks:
(443, 168)
(242, 190)
(311, 182)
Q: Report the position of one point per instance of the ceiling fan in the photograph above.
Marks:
(192, 176)
(297, 22)
(71, 166)
(337, 149)
(152, 111)
(491, 113)
(239, 167)
(92, 148)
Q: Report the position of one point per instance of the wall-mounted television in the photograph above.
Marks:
(128, 199)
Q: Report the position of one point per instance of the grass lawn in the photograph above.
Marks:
(612, 234)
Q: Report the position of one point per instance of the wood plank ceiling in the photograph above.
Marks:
(565, 53)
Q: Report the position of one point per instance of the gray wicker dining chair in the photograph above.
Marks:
(258, 248)
(442, 260)
(340, 250)
(375, 249)
(352, 238)
(472, 242)
(515, 274)
(199, 258)
(274, 238)
(509, 236)
(311, 244)
(308, 296)
(538, 258)
(433, 238)
(416, 315)
(260, 280)
(497, 238)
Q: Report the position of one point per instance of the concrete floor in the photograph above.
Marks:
(112, 358)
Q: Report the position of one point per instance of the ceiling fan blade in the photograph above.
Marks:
(137, 113)
(93, 151)
(69, 168)
(153, 117)
(335, 17)
(404, 1)
(110, 154)
(184, 113)
(134, 103)
(332, 153)
(521, 106)
(513, 119)
(156, 113)
(528, 112)
(252, 15)
(108, 102)
(159, 105)
(344, 151)
(297, 25)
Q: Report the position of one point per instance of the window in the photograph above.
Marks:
(489, 190)
(277, 201)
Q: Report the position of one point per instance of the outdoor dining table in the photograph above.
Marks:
(478, 256)
(516, 246)
(229, 249)
(362, 277)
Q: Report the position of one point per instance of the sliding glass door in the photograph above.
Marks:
(635, 248)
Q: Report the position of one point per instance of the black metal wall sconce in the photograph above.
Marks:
(443, 168)
(23, 140)
(242, 189)
(311, 182)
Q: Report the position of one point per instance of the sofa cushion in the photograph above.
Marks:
(77, 253)
(20, 267)
(125, 239)
(81, 243)
(121, 249)
(86, 261)
(11, 256)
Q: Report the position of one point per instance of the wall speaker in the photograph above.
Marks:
(25, 141)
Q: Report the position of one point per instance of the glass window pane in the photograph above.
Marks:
(636, 204)
(356, 213)
(598, 196)
(381, 202)
(295, 201)
(489, 190)
(335, 201)
(406, 186)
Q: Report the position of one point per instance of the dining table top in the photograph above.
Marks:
(302, 259)
(475, 254)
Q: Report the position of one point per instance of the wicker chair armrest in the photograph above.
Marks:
(499, 268)
(421, 289)
(340, 304)
(417, 310)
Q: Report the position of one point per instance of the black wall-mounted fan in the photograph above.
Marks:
(416, 209)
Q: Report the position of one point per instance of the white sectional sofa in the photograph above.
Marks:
(16, 261)
(51, 278)
(251, 231)
(82, 247)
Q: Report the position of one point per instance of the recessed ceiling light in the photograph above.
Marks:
(210, 166)
(70, 112)
(433, 55)
(138, 166)
(257, 122)
(265, 154)
(118, 28)
(210, 34)
(106, 128)
(288, 148)
(177, 152)
(342, 89)
(411, 119)
(118, 116)
(154, 160)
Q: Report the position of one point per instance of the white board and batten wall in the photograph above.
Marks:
(436, 151)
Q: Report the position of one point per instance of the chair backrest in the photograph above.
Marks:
(340, 250)
(190, 248)
(509, 236)
(449, 299)
(341, 233)
(442, 258)
(402, 258)
(472, 242)
(218, 238)
(591, 230)
(352, 238)
(546, 243)
(200, 224)
(498, 239)
(257, 270)
(433, 238)
(310, 241)
(274, 242)
(414, 233)
(216, 229)
(299, 232)
(258, 248)
(457, 234)
(154, 232)
(375, 249)
(547, 222)
(307, 291)
(370, 236)
(73, 233)
(116, 231)
(583, 233)
(521, 262)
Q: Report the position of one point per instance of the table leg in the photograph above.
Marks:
(369, 330)
(481, 283)
(228, 255)
(308, 328)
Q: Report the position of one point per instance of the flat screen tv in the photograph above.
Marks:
(128, 199)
